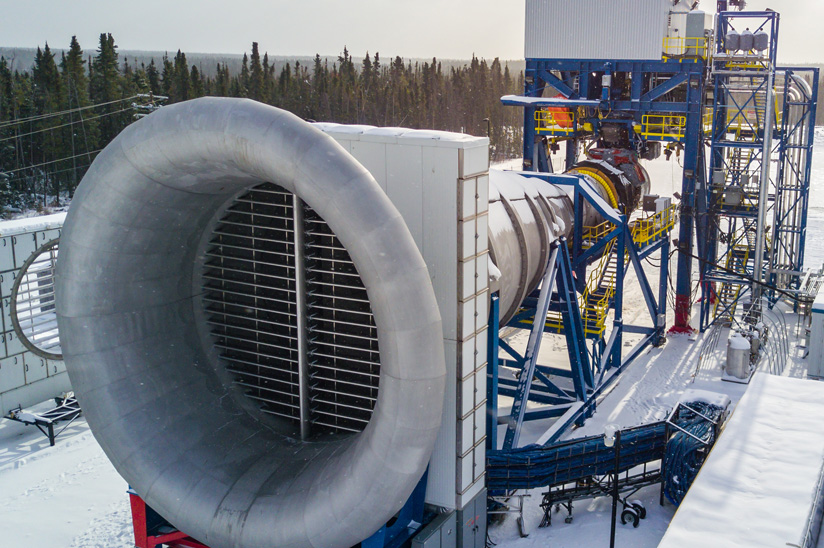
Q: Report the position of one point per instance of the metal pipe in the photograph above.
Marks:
(763, 194)
(527, 215)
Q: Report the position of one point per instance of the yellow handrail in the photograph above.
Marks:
(595, 309)
(649, 228)
(663, 126)
(555, 121)
(676, 46)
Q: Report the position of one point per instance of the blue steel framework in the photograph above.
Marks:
(740, 135)
(570, 394)
(667, 87)
(663, 88)
(674, 86)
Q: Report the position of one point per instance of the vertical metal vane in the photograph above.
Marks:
(288, 309)
(343, 348)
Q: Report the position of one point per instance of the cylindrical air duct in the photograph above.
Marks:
(527, 215)
(250, 328)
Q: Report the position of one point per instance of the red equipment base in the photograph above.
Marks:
(683, 310)
(143, 538)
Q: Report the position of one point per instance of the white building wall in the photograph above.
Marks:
(439, 182)
(25, 378)
(597, 29)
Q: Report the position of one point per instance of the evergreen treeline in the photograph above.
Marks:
(55, 117)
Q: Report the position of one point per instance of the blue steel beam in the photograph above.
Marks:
(492, 373)
(646, 290)
(618, 319)
(662, 89)
(573, 327)
(693, 141)
(549, 386)
(516, 418)
(556, 82)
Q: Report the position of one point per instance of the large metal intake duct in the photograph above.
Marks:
(250, 328)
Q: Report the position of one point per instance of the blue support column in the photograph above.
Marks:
(492, 374)
(582, 377)
(693, 141)
(532, 89)
(618, 323)
(516, 418)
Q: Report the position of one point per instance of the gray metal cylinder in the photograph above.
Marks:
(746, 41)
(732, 41)
(153, 386)
(760, 41)
(738, 357)
(526, 216)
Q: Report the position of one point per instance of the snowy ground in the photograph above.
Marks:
(67, 496)
(71, 496)
(645, 393)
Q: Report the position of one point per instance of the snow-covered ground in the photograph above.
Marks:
(71, 496)
(66, 496)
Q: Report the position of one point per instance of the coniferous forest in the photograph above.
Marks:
(56, 115)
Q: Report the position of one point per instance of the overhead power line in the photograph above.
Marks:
(52, 162)
(73, 110)
(52, 128)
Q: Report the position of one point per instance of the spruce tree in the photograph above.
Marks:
(82, 133)
(256, 88)
(105, 88)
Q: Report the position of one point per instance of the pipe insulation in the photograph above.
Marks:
(208, 200)
(527, 215)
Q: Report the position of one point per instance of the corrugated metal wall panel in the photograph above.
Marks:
(594, 29)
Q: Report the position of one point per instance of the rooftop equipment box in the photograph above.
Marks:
(595, 29)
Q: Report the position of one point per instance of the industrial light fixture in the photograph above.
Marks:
(609, 434)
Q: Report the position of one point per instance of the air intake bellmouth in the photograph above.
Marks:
(144, 256)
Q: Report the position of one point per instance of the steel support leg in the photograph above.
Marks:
(516, 418)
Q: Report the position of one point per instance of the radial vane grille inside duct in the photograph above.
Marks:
(33, 314)
(256, 315)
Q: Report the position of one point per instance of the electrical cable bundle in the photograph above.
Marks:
(685, 454)
(544, 466)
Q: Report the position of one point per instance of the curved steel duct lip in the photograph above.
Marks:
(32, 308)
(125, 302)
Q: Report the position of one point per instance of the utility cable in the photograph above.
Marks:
(39, 117)
(739, 275)
(51, 162)
(685, 454)
(52, 128)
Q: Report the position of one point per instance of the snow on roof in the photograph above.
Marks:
(422, 137)
(761, 480)
(705, 396)
(818, 304)
(32, 224)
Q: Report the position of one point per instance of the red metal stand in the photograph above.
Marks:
(683, 311)
(144, 539)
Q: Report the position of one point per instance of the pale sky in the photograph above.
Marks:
(409, 28)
